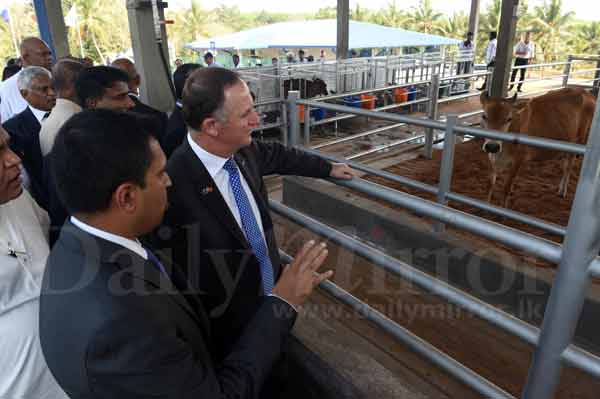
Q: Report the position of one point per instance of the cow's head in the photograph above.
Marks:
(498, 114)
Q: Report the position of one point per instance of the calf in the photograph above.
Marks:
(564, 114)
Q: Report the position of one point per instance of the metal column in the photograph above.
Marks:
(52, 27)
(506, 39)
(447, 165)
(567, 71)
(434, 91)
(474, 21)
(343, 29)
(568, 293)
(294, 119)
(155, 89)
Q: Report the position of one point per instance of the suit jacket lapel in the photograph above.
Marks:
(209, 194)
(130, 262)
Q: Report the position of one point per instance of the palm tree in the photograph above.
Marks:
(551, 26)
(391, 16)
(587, 38)
(326, 13)
(455, 26)
(360, 14)
(103, 26)
(424, 18)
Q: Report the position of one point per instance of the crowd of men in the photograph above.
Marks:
(137, 253)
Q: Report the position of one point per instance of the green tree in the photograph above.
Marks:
(587, 38)
(326, 13)
(391, 15)
(456, 26)
(551, 26)
(424, 18)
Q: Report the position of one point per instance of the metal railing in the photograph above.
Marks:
(577, 258)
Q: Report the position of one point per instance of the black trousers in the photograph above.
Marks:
(519, 62)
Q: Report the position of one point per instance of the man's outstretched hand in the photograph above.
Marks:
(341, 171)
(300, 277)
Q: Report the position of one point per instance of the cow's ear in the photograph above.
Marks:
(484, 97)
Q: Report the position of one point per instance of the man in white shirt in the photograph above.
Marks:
(34, 52)
(210, 60)
(490, 55)
(524, 52)
(466, 52)
(23, 253)
(64, 75)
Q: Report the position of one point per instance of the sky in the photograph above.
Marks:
(584, 9)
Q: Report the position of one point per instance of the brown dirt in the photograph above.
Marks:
(534, 193)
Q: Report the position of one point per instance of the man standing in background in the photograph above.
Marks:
(524, 52)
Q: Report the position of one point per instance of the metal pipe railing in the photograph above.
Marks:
(385, 147)
(484, 206)
(413, 342)
(574, 355)
(490, 134)
(358, 135)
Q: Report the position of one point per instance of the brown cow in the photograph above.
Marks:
(564, 114)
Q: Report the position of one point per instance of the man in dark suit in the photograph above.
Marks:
(176, 128)
(35, 85)
(114, 321)
(99, 87)
(221, 231)
(159, 117)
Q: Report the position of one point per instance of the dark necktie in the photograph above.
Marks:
(152, 258)
(250, 225)
(46, 115)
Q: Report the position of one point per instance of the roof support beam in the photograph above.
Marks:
(474, 19)
(155, 89)
(52, 27)
(506, 39)
(343, 29)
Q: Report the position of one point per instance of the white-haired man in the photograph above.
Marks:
(35, 85)
(34, 52)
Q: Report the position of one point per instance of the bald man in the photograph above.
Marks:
(140, 108)
(64, 75)
(34, 52)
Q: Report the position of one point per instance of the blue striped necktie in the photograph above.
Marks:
(156, 262)
(250, 226)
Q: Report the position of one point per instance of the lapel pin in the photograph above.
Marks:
(207, 190)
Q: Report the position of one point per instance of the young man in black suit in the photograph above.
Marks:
(219, 227)
(35, 85)
(176, 128)
(159, 117)
(115, 322)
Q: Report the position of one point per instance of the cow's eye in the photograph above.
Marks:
(484, 117)
(508, 120)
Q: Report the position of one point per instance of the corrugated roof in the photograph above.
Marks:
(320, 33)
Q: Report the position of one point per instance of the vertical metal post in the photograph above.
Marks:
(307, 126)
(343, 29)
(294, 120)
(447, 164)
(567, 71)
(596, 83)
(566, 300)
(474, 19)
(506, 39)
(434, 91)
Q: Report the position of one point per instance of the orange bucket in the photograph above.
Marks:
(367, 101)
(301, 113)
(400, 95)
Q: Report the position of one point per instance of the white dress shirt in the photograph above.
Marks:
(23, 252)
(490, 52)
(214, 165)
(524, 50)
(132, 245)
(62, 111)
(12, 100)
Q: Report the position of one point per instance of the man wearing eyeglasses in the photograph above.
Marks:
(35, 85)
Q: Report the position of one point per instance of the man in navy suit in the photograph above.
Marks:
(221, 230)
(35, 85)
(115, 322)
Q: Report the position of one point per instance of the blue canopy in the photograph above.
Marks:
(320, 33)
